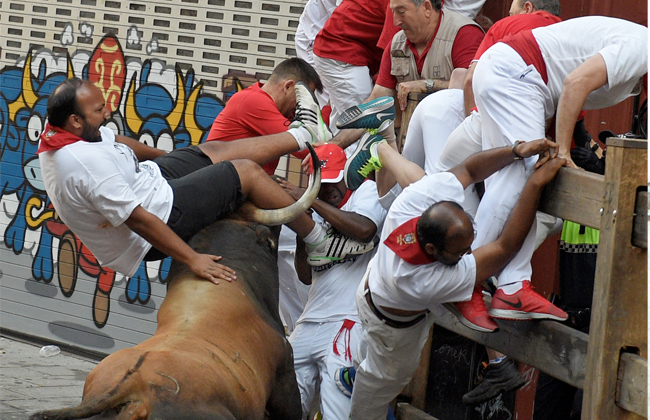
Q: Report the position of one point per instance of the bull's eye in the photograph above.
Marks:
(34, 128)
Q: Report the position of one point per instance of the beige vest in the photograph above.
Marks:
(437, 64)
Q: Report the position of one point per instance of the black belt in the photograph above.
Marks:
(391, 322)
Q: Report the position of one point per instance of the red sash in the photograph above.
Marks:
(345, 198)
(404, 242)
(54, 138)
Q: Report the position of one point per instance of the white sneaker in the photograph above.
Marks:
(336, 247)
(308, 114)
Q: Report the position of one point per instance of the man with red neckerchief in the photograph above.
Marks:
(425, 259)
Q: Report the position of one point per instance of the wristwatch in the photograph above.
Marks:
(428, 85)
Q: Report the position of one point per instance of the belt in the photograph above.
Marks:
(391, 322)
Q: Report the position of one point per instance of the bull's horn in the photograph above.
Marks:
(287, 214)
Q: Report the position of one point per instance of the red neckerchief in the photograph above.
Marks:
(404, 242)
(345, 199)
(54, 138)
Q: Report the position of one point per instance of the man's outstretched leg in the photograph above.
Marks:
(265, 193)
(307, 128)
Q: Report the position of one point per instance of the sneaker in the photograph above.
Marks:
(308, 114)
(336, 247)
(524, 304)
(497, 378)
(369, 115)
(344, 378)
(363, 161)
(473, 313)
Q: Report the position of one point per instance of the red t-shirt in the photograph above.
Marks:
(513, 24)
(389, 30)
(350, 35)
(250, 113)
(467, 40)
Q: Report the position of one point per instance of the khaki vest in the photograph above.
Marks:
(437, 64)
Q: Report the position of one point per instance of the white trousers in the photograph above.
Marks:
(316, 362)
(293, 292)
(305, 50)
(514, 103)
(437, 120)
(386, 361)
(347, 85)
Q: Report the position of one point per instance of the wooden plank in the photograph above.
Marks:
(619, 316)
(640, 230)
(575, 195)
(549, 346)
(416, 390)
(408, 412)
(632, 384)
(411, 103)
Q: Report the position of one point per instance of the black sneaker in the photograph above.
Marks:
(497, 378)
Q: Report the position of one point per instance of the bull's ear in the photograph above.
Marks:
(268, 236)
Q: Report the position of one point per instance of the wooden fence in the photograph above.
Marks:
(611, 363)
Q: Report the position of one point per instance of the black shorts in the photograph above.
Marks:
(203, 192)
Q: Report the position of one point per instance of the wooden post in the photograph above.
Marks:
(413, 101)
(619, 321)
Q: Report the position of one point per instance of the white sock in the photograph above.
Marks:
(316, 234)
(302, 136)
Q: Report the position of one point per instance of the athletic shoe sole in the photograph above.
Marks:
(354, 180)
(522, 316)
(369, 115)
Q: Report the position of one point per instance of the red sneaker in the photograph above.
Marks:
(525, 304)
(473, 313)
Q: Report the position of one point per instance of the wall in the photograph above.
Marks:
(166, 68)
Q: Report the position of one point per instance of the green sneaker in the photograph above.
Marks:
(363, 161)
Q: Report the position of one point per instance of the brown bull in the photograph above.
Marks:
(219, 351)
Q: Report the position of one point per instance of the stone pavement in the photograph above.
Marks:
(30, 382)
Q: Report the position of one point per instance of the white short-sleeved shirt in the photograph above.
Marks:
(469, 8)
(394, 283)
(622, 44)
(314, 16)
(331, 296)
(94, 188)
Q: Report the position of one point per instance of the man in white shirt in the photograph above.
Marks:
(425, 258)
(328, 331)
(127, 209)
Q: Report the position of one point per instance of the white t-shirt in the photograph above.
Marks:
(622, 44)
(331, 296)
(314, 16)
(394, 283)
(94, 188)
(469, 8)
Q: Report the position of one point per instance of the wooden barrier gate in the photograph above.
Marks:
(611, 363)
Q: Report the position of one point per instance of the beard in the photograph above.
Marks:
(90, 132)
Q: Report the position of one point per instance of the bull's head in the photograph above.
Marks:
(280, 216)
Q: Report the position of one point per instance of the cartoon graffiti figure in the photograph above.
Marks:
(149, 113)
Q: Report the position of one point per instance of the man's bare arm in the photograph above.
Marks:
(587, 77)
(142, 151)
(481, 165)
(158, 234)
(468, 90)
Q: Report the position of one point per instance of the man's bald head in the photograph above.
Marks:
(446, 227)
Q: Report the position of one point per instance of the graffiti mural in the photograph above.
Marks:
(160, 105)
